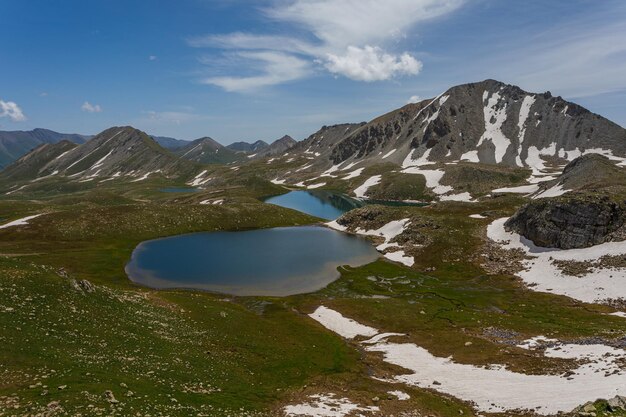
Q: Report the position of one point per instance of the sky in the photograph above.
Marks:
(249, 70)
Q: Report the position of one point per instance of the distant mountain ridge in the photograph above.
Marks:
(208, 151)
(248, 147)
(117, 152)
(277, 148)
(15, 144)
(170, 143)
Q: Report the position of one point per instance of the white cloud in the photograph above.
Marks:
(12, 111)
(351, 38)
(275, 68)
(341, 23)
(152, 57)
(414, 99)
(165, 118)
(91, 108)
(371, 64)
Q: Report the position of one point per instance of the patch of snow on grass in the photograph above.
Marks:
(465, 197)
(399, 256)
(327, 405)
(477, 216)
(521, 189)
(598, 285)
(433, 176)
(354, 174)
(401, 395)
(370, 182)
(146, 175)
(197, 179)
(389, 232)
(277, 181)
(19, 222)
(341, 325)
(318, 185)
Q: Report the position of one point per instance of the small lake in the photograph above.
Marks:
(270, 262)
(327, 205)
(323, 204)
(179, 190)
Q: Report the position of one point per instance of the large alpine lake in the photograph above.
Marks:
(271, 262)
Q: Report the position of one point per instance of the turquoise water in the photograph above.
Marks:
(179, 190)
(323, 204)
(272, 262)
(327, 204)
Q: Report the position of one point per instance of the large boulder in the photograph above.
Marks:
(571, 221)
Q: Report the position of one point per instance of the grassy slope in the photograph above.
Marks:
(182, 352)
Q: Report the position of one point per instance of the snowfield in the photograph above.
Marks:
(493, 388)
(599, 285)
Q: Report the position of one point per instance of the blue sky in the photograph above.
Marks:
(248, 70)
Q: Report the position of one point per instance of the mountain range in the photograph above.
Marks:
(464, 130)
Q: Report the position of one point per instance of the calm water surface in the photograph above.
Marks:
(327, 205)
(277, 262)
(179, 190)
(323, 204)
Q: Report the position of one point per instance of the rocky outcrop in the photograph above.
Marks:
(572, 221)
(590, 172)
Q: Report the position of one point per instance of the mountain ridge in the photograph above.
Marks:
(15, 144)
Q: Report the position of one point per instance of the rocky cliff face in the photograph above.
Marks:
(572, 221)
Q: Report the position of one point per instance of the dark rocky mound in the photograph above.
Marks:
(572, 221)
